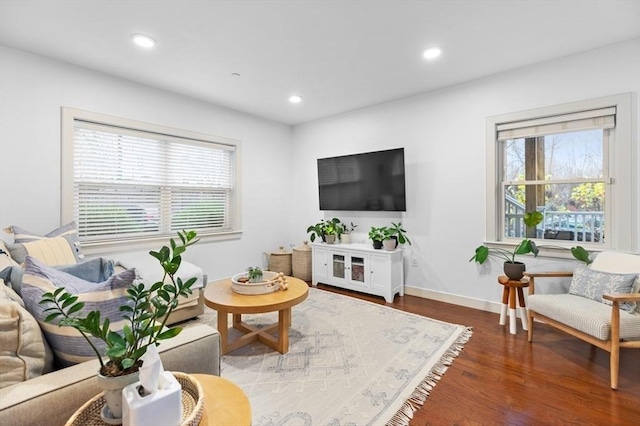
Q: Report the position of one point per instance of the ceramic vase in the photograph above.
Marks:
(112, 386)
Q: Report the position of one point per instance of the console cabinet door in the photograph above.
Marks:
(357, 268)
(380, 272)
(320, 272)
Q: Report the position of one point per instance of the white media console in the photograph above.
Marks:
(359, 267)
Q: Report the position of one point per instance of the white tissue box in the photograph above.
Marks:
(162, 407)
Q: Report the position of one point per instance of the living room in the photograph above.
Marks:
(443, 132)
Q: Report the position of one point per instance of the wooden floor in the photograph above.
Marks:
(501, 379)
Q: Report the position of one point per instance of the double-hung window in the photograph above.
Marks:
(572, 163)
(132, 181)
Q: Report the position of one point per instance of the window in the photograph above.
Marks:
(126, 180)
(573, 163)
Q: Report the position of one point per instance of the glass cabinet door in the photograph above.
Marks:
(338, 266)
(357, 269)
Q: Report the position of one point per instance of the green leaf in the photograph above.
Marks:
(581, 254)
(75, 308)
(482, 253)
(531, 219)
(52, 316)
(128, 363)
(172, 332)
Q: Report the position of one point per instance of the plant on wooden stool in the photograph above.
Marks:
(531, 220)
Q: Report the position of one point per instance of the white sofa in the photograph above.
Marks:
(32, 394)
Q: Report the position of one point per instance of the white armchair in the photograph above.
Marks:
(589, 316)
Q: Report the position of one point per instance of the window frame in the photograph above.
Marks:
(69, 117)
(620, 210)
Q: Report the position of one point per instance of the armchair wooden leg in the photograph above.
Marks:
(530, 331)
(614, 359)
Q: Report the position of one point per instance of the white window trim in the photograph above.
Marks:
(622, 213)
(68, 118)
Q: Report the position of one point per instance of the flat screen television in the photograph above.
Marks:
(370, 181)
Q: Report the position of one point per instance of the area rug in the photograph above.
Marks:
(350, 362)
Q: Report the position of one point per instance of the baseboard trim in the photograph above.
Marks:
(454, 299)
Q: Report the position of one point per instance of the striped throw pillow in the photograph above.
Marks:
(43, 247)
(68, 344)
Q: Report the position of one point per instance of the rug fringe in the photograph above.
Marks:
(422, 391)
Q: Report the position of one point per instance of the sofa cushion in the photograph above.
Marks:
(593, 284)
(68, 344)
(47, 248)
(586, 315)
(24, 353)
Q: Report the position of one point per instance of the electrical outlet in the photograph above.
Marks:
(414, 262)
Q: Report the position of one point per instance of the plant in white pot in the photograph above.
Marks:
(345, 237)
(146, 312)
(512, 268)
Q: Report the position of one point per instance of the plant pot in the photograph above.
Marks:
(377, 245)
(112, 386)
(390, 244)
(345, 238)
(330, 239)
(514, 271)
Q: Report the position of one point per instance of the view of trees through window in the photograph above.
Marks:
(561, 175)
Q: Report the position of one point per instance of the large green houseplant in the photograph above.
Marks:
(146, 313)
(512, 268)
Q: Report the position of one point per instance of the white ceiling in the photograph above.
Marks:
(339, 55)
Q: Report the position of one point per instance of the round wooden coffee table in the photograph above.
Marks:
(219, 296)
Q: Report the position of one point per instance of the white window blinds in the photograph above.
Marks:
(603, 118)
(131, 183)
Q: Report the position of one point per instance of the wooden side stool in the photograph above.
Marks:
(509, 296)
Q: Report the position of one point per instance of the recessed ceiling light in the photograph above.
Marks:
(295, 99)
(143, 40)
(431, 53)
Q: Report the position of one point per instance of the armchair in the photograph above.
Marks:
(595, 317)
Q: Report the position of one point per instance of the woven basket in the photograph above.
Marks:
(280, 261)
(192, 405)
(192, 399)
(301, 262)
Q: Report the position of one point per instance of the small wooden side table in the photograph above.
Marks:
(225, 403)
(509, 296)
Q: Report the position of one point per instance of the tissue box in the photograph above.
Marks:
(162, 407)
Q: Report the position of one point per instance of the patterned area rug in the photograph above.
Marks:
(350, 362)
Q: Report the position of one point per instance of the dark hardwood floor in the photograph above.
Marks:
(501, 379)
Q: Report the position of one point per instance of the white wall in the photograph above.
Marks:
(443, 133)
(33, 90)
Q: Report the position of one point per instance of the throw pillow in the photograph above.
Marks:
(67, 343)
(593, 284)
(51, 251)
(94, 270)
(69, 232)
(25, 353)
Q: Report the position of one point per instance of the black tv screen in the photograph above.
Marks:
(371, 181)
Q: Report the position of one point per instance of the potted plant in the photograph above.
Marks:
(325, 228)
(512, 268)
(316, 231)
(398, 233)
(146, 313)
(377, 236)
(255, 274)
(345, 238)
